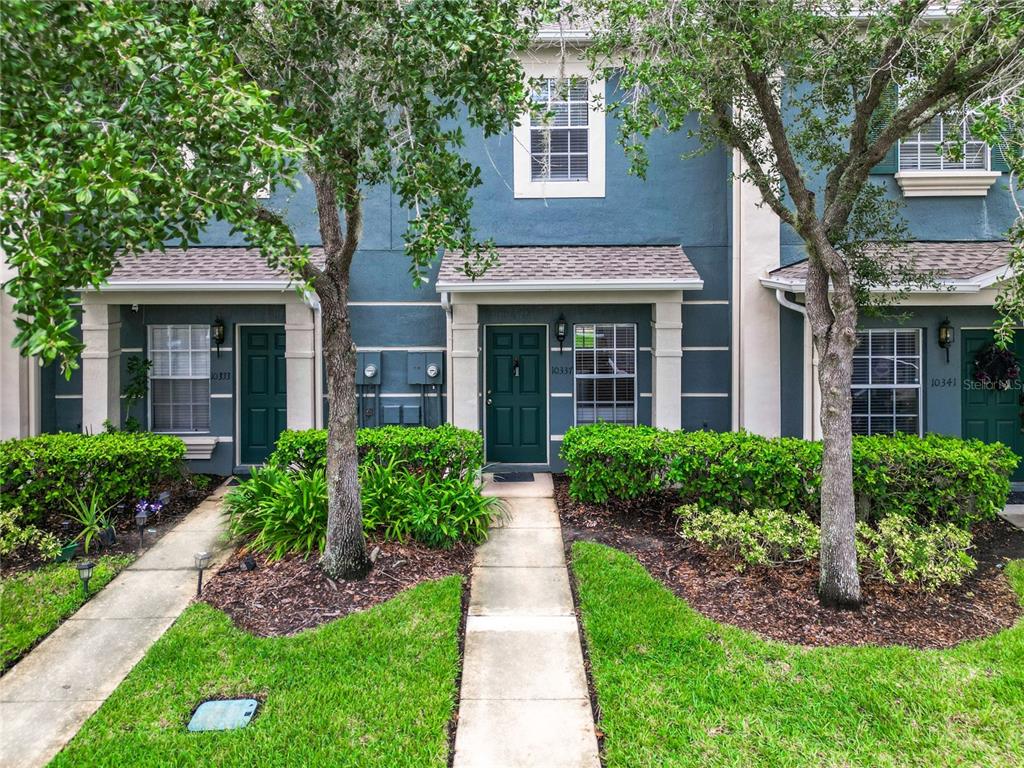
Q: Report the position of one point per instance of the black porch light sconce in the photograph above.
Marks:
(561, 331)
(946, 336)
(217, 331)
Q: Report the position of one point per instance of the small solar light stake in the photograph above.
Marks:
(85, 573)
(141, 517)
(202, 560)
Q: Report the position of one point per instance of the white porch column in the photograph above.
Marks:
(464, 377)
(300, 364)
(19, 376)
(667, 364)
(756, 374)
(101, 364)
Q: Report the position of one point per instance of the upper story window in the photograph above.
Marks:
(559, 130)
(559, 146)
(179, 378)
(927, 150)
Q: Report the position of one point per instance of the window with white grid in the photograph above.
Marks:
(927, 150)
(887, 382)
(179, 379)
(560, 130)
(605, 369)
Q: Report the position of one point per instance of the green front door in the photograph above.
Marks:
(992, 415)
(263, 407)
(516, 397)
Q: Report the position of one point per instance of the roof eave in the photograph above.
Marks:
(670, 284)
(192, 285)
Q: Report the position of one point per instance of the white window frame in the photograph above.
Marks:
(150, 329)
(947, 180)
(596, 376)
(594, 186)
(946, 164)
(894, 386)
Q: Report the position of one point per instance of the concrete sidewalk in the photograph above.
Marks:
(524, 695)
(1014, 514)
(47, 696)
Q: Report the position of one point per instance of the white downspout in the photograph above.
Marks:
(449, 400)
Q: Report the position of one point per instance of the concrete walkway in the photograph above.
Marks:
(1014, 514)
(524, 689)
(48, 695)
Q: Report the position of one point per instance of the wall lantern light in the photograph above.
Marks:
(946, 336)
(202, 561)
(85, 573)
(217, 331)
(561, 330)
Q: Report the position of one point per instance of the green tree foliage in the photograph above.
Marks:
(124, 124)
(813, 94)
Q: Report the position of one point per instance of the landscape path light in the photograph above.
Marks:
(202, 561)
(85, 568)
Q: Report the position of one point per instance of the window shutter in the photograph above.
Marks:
(886, 109)
(999, 159)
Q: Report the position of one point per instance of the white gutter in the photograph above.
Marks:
(680, 284)
(780, 296)
(941, 287)
(810, 369)
(449, 401)
(193, 285)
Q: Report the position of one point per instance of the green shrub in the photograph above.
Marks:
(435, 510)
(901, 550)
(756, 537)
(285, 512)
(39, 473)
(16, 534)
(933, 478)
(441, 450)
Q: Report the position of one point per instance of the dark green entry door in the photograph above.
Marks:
(992, 415)
(263, 406)
(516, 395)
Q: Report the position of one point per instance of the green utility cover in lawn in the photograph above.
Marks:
(223, 715)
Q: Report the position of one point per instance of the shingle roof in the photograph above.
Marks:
(948, 261)
(614, 265)
(200, 265)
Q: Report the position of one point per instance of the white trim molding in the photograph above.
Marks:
(201, 447)
(949, 183)
(611, 284)
(538, 65)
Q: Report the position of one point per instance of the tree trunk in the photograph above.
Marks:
(345, 554)
(834, 324)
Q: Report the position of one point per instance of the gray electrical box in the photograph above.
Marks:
(391, 414)
(410, 415)
(425, 367)
(367, 367)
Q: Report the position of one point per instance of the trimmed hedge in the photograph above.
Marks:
(439, 450)
(40, 473)
(932, 479)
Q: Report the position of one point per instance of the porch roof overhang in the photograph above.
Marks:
(571, 269)
(945, 268)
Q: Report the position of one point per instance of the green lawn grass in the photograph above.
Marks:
(677, 689)
(371, 689)
(34, 603)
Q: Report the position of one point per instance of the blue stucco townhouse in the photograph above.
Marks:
(673, 301)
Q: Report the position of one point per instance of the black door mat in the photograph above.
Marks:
(514, 477)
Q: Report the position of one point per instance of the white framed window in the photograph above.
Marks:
(605, 372)
(925, 150)
(179, 378)
(559, 147)
(887, 382)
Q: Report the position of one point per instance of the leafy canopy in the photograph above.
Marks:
(124, 124)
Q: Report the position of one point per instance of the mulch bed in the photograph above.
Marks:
(293, 594)
(184, 498)
(780, 603)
